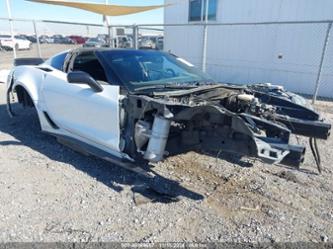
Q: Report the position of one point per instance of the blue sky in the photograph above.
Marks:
(30, 10)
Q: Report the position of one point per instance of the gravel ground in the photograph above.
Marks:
(50, 193)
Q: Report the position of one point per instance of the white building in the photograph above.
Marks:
(286, 54)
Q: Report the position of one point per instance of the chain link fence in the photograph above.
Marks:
(297, 55)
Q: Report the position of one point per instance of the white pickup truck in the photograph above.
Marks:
(8, 43)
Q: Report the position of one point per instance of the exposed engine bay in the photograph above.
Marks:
(254, 121)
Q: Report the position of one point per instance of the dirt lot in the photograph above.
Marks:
(50, 193)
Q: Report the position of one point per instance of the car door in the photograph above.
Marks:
(90, 116)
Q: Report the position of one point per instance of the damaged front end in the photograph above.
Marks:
(254, 121)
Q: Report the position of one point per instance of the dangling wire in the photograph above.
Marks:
(315, 152)
(318, 155)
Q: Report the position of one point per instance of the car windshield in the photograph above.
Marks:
(93, 40)
(142, 68)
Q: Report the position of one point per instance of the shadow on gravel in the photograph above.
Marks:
(25, 129)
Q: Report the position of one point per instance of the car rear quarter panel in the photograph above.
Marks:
(31, 79)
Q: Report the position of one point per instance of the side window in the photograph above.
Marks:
(197, 10)
(88, 62)
(57, 61)
(212, 10)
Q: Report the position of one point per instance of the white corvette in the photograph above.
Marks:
(138, 106)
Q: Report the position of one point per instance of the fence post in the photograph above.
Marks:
(204, 48)
(323, 53)
(88, 30)
(11, 27)
(135, 36)
(39, 52)
(205, 37)
(110, 40)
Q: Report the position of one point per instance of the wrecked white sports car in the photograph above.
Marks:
(140, 106)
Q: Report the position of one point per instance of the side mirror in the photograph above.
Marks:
(80, 77)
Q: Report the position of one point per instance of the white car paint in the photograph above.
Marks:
(77, 110)
(6, 41)
(30, 78)
(81, 111)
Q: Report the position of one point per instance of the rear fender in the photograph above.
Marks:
(30, 78)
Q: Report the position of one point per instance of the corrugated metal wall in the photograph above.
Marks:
(280, 54)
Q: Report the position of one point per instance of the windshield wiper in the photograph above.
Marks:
(166, 86)
(201, 82)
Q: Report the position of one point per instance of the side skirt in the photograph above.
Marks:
(89, 150)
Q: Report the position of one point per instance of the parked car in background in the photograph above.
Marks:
(67, 40)
(122, 41)
(9, 43)
(45, 39)
(160, 43)
(103, 37)
(59, 39)
(21, 36)
(95, 43)
(56, 38)
(151, 42)
(31, 38)
(77, 39)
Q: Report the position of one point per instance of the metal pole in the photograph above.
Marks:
(107, 21)
(109, 36)
(11, 27)
(205, 36)
(88, 30)
(39, 52)
(328, 32)
(135, 37)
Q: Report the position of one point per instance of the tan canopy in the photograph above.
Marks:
(104, 9)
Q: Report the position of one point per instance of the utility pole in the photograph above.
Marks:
(205, 36)
(11, 27)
